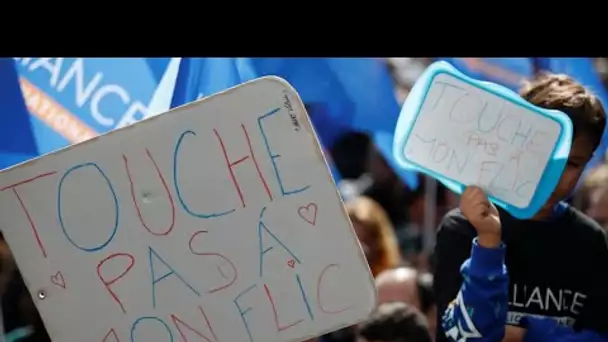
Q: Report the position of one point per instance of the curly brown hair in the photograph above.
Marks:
(560, 92)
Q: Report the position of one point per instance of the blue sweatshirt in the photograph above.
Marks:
(479, 311)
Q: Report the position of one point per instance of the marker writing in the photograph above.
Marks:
(134, 196)
(263, 250)
(83, 168)
(25, 211)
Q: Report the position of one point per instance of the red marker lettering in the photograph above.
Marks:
(108, 283)
(234, 163)
(319, 283)
(27, 213)
(134, 197)
(275, 313)
(179, 322)
(234, 270)
(111, 336)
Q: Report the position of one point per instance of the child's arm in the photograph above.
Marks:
(479, 311)
(454, 242)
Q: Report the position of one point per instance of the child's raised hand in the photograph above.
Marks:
(483, 215)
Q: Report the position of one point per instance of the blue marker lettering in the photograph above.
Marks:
(171, 272)
(262, 226)
(273, 157)
(304, 297)
(176, 183)
(153, 319)
(60, 214)
(244, 312)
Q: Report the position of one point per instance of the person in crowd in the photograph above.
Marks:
(408, 285)
(398, 285)
(375, 234)
(410, 236)
(428, 302)
(404, 206)
(595, 195)
(377, 239)
(348, 154)
(7, 266)
(495, 270)
(452, 200)
(380, 183)
(20, 319)
(24, 323)
(394, 322)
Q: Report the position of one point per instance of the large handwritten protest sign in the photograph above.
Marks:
(217, 221)
(463, 132)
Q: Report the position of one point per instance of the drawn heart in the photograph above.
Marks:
(308, 213)
(291, 263)
(58, 280)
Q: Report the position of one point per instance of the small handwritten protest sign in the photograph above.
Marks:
(464, 132)
(217, 221)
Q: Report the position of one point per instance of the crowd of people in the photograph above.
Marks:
(390, 220)
(387, 219)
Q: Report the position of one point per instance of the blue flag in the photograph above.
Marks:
(74, 99)
(340, 94)
(17, 140)
(349, 94)
(199, 77)
(328, 129)
(357, 92)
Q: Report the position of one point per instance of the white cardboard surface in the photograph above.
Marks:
(143, 235)
(476, 137)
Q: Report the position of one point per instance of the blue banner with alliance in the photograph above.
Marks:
(71, 100)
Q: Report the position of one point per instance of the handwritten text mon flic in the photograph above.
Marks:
(483, 139)
(161, 269)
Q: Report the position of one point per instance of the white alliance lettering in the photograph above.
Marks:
(546, 301)
(91, 92)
